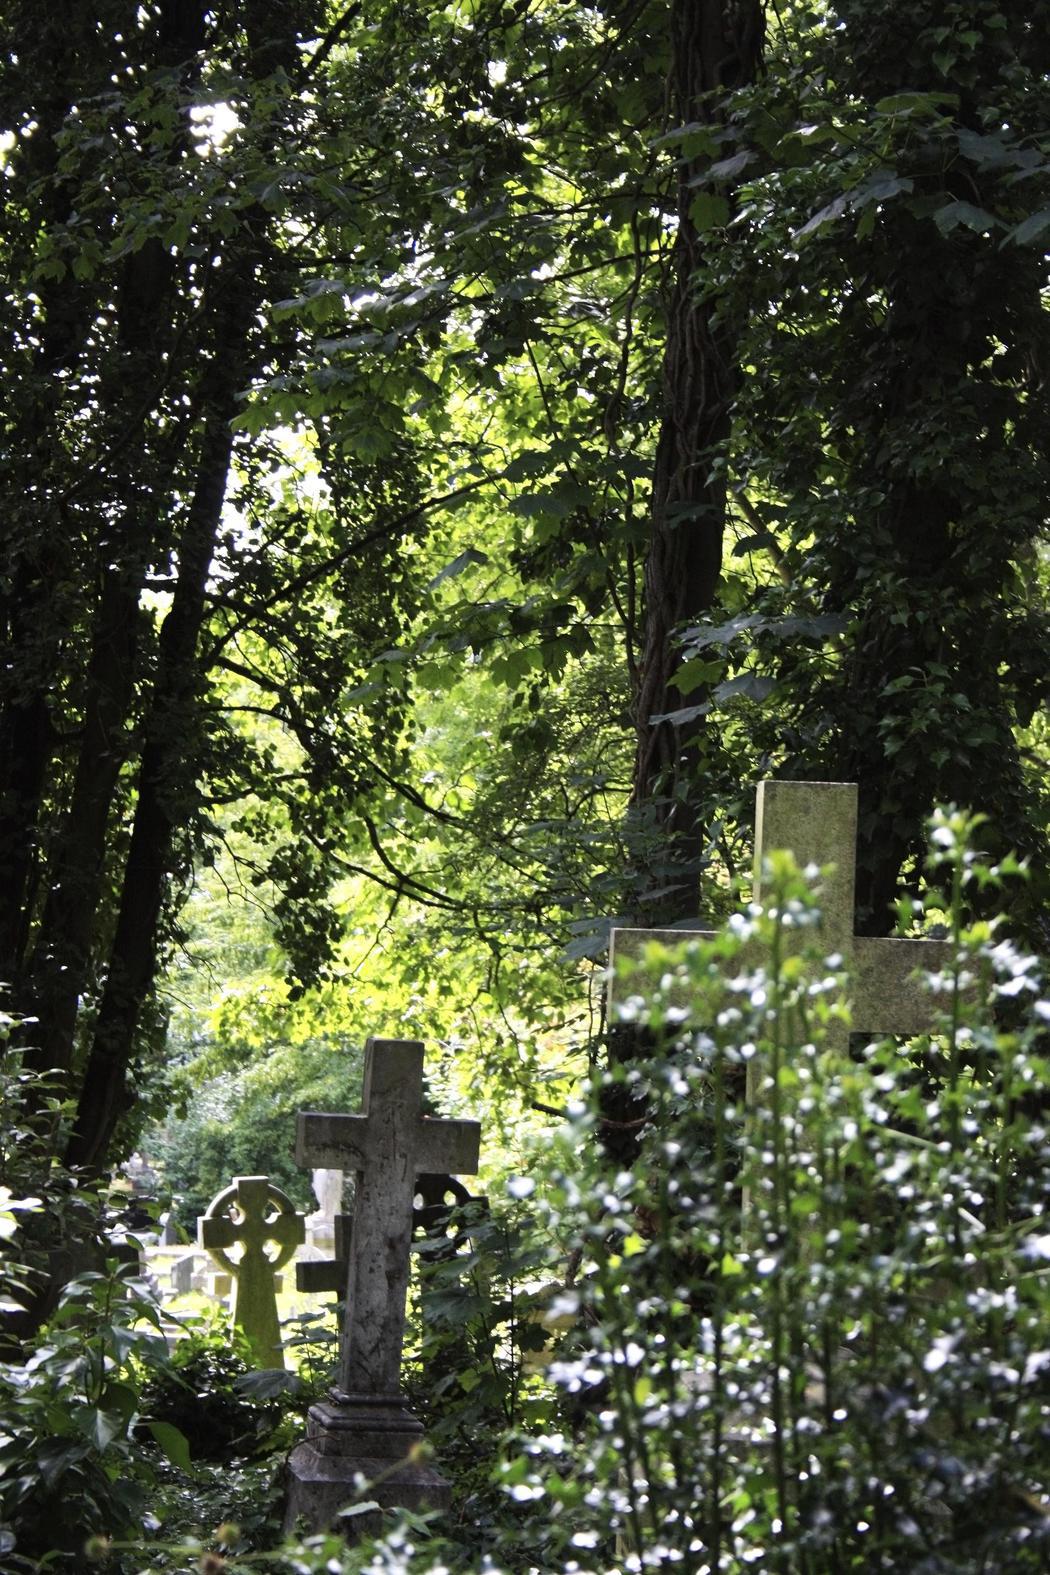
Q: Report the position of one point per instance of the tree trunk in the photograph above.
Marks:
(169, 765)
(716, 48)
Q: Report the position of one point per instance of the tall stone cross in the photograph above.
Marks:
(253, 1214)
(389, 1144)
(817, 822)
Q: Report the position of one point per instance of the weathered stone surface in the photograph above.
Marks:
(817, 822)
(367, 1429)
(359, 1436)
(253, 1214)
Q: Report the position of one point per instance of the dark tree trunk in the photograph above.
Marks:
(716, 48)
(59, 65)
(167, 777)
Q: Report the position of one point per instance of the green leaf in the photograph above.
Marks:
(755, 686)
(102, 1427)
(826, 215)
(708, 211)
(916, 103)
(695, 672)
(953, 214)
(1030, 229)
(682, 716)
(466, 560)
(173, 1443)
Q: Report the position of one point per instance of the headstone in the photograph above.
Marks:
(253, 1214)
(366, 1428)
(218, 1284)
(182, 1272)
(817, 822)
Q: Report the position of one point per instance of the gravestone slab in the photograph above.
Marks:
(366, 1428)
(253, 1214)
(183, 1270)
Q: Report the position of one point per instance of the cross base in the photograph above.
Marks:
(352, 1436)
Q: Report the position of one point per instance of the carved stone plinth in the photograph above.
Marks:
(353, 1436)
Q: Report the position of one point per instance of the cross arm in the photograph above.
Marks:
(287, 1230)
(216, 1230)
(890, 996)
(324, 1140)
(632, 943)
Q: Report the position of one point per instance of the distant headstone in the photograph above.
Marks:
(817, 822)
(254, 1215)
(367, 1429)
(218, 1285)
(182, 1272)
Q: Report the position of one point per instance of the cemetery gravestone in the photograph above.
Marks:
(817, 822)
(366, 1428)
(182, 1272)
(254, 1214)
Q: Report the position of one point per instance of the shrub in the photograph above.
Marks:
(70, 1461)
(199, 1390)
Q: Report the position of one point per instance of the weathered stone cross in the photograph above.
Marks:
(389, 1144)
(817, 822)
(366, 1429)
(242, 1214)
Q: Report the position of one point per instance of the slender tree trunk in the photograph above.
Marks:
(65, 950)
(168, 770)
(716, 48)
(169, 766)
(37, 551)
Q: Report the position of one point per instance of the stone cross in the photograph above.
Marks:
(321, 1276)
(389, 1144)
(817, 822)
(254, 1214)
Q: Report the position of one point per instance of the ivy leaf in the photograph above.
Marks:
(101, 1428)
(683, 715)
(724, 169)
(880, 187)
(754, 686)
(826, 215)
(708, 211)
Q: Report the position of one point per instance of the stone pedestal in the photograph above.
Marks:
(353, 1436)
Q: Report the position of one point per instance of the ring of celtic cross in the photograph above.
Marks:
(226, 1202)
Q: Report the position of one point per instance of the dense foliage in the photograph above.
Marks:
(450, 454)
(360, 363)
